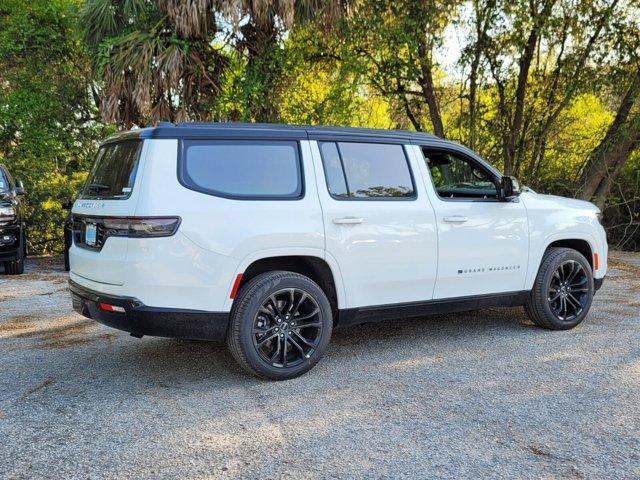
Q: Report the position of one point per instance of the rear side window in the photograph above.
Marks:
(114, 171)
(245, 169)
(367, 171)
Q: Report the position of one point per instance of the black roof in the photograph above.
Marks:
(272, 131)
(231, 130)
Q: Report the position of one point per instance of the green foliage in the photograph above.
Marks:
(536, 86)
(623, 208)
(48, 129)
(319, 88)
(579, 129)
(155, 60)
(164, 60)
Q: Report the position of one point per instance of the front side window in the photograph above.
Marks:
(4, 183)
(114, 171)
(455, 176)
(367, 170)
(242, 168)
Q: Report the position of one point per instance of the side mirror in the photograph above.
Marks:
(20, 187)
(510, 187)
(68, 205)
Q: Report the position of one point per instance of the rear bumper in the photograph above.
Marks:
(168, 272)
(139, 319)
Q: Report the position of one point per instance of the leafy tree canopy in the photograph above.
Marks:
(48, 122)
(548, 90)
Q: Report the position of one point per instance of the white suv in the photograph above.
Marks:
(269, 236)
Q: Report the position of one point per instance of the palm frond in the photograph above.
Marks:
(134, 8)
(99, 18)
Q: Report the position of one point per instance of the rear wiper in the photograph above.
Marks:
(97, 187)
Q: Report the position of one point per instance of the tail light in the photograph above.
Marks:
(140, 227)
(91, 233)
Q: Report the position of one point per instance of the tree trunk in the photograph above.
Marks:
(261, 41)
(473, 89)
(622, 154)
(608, 158)
(407, 108)
(483, 20)
(428, 91)
(539, 19)
(554, 105)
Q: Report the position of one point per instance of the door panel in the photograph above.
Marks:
(386, 248)
(483, 244)
(485, 254)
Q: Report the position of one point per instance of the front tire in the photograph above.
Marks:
(563, 290)
(280, 325)
(16, 267)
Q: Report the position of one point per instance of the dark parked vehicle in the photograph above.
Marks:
(68, 234)
(13, 244)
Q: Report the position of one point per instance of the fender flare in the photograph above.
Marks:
(535, 258)
(291, 252)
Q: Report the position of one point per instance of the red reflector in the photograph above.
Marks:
(110, 308)
(596, 261)
(236, 286)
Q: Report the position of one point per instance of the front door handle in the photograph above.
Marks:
(347, 220)
(455, 219)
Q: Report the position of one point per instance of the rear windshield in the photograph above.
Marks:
(114, 171)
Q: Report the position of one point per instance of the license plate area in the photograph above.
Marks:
(88, 232)
(91, 234)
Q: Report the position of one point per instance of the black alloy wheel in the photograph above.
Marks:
(568, 291)
(280, 325)
(287, 328)
(562, 291)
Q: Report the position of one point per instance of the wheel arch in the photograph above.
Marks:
(577, 244)
(322, 270)
(580, 242)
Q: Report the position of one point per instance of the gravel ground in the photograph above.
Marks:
(482, 394)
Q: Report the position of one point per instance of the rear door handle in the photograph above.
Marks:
(455, 219)
(347, 220)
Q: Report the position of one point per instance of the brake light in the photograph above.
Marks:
(140, 227)
(110, 308)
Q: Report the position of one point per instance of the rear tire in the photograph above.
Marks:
(563, 290)
(280, 325)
